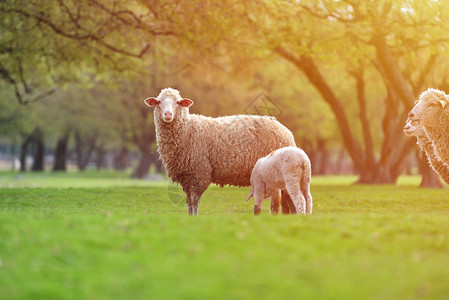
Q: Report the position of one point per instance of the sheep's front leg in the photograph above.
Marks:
(195, 196)
(188, 199)
(258, 198)
(275, 200)
(195, 202)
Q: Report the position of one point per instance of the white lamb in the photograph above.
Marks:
(286, 168)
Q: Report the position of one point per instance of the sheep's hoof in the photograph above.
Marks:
(257, 211)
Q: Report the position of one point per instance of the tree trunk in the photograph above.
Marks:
(308, 67)
(157, 162)
(100, 159)
(392, 72)
(321, 161)
(39, 151)
(143, 166)
(361, 99)
(429, 178)
(324, 162)
(121, 160)
(61, 152)
(379, 174)
(84, 147)
(23, 153)
(307, 146)
(13, 157)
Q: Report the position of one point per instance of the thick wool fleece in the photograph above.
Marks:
(439, 135)
(286, 168)
(435, 163)
(198, 150)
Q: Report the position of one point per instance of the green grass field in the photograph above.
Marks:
(104, 236)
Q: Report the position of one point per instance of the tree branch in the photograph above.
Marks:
(88, 36)
(308, 67)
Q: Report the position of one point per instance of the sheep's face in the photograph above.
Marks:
(168, 104)
(413, 127)
(426, 112)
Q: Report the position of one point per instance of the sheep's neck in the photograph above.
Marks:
(169, 136)
(424, 144)
(440, 137)
(435, 163)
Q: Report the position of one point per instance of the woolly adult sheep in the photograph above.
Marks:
(286, 168)
(197, 150)
(432, 112)
(414, 128)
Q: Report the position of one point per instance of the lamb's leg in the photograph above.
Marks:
(275, 200)
(305, 189)
(258, 198)
(287, 204)
(294, 190)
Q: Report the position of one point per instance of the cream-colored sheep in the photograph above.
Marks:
(198, 150)
(414, 128)
(286, 168)
(432, 112)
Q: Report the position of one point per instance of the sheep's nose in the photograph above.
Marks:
(168, 114)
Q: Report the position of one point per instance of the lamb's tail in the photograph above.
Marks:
(251, 193)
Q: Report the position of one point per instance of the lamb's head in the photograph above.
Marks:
(428, 108)
(168, 104)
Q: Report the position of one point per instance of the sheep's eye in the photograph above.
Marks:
(415, 122)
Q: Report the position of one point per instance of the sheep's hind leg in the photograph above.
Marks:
(275, 200)
(298, 199)
(305, 189)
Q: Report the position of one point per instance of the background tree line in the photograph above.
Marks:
(345, 73)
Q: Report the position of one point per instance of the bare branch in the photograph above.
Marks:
(88, 36)
(330, 15)
(138, 23)
(22, 78)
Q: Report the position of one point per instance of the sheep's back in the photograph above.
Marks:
(239, 142)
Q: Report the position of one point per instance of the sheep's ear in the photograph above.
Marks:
(185, 102)
(151, 102)
(443, 103)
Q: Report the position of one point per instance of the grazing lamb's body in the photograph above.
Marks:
(413, 128)
(431, 111)
(198, 150)
(287, 168)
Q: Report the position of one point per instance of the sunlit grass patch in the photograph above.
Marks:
(115, 242)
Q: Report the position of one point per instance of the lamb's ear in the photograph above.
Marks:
(151, 102)
(443, 103)
(185, 102)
